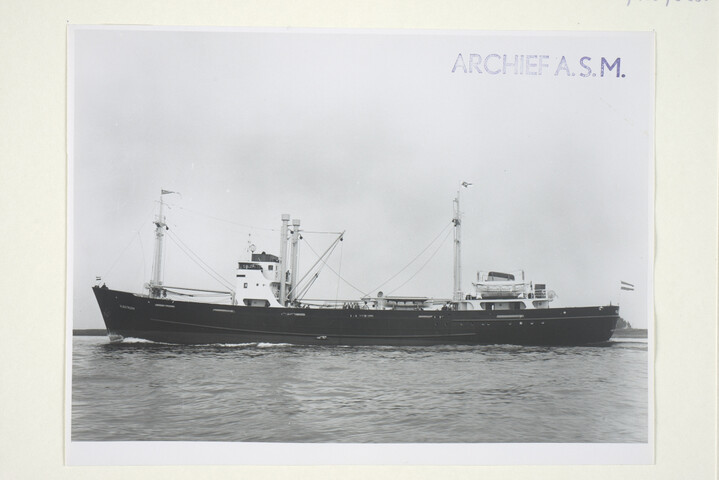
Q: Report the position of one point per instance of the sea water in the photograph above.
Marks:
(284, 393)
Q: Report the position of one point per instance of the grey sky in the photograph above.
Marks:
(369, 133)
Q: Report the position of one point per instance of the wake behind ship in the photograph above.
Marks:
(267, 305)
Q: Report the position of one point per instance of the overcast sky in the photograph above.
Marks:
(371, 133)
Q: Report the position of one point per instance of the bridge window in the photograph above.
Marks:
(248, 266)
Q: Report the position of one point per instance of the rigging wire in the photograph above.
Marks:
(321, 258)
(199, 261)
(317, 232)
(309, 284)
(332, 269)
(244, 225)
(204, 266)
(424, 264)
(413, 260)
(327, 252)
(252, 227)
(432, 242)
(132, 239)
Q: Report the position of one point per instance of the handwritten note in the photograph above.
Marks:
(665, 2)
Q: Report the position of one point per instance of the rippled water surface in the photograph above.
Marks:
(284, 393)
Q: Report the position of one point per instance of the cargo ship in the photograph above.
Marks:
(267, 305)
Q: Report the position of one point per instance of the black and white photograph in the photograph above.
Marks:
(359, 246)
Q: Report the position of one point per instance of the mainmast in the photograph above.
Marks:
(155, 286)
(457, 222)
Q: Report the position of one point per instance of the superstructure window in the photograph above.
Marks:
(248, 266)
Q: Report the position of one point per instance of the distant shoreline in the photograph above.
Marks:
(631, 333)
(89, 332)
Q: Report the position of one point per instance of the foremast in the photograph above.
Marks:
(155, 285)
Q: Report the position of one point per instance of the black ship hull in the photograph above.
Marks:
(163, 320)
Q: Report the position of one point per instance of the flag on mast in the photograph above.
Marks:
(627, 286)
(166, 192)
